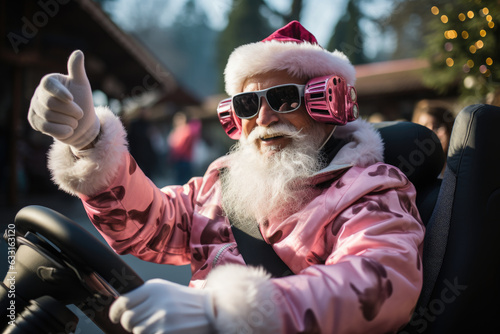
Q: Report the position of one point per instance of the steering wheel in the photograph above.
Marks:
(56, 258)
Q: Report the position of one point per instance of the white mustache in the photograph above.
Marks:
(285, 130)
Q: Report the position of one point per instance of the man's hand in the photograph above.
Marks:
(160, 306)
(62, 106)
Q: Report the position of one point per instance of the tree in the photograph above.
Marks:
(193, 40)
(407, 25)
(347, 36)
(251, 21)
(293, 14)
(245, 25)
(463, 48)
(184, 45)
(103, 2)
(140, 17)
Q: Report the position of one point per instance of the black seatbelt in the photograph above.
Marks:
(256, 252)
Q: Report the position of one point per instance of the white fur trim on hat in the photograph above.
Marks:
(299, 59)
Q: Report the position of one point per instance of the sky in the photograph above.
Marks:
(319, 16)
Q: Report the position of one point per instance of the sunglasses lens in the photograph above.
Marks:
(246, 105)
(281, 99)
(284, 98)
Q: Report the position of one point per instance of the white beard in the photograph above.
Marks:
(257, 186)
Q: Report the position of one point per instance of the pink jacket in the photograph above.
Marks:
(355, 248)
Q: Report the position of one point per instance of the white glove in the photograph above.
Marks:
(62, 106)
(160, 306)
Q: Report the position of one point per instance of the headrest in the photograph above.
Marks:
(414, 149)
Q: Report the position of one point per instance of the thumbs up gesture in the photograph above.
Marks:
(62, 106)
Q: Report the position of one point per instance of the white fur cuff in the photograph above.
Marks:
(245, 300)
(95, 169)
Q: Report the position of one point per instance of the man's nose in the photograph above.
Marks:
(266, 115)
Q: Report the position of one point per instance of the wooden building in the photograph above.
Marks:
(38, 38)
(391, 89)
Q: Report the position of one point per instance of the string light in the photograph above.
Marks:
(450, 34)
(478, 63)
(469, 81)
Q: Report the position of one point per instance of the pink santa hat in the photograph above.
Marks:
(291, 48)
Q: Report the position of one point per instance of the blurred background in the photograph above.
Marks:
(158, 64)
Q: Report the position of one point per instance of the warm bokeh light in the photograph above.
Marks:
(450, 34)
(469, 82)
(468, 46)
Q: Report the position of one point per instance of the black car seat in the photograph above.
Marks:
(418, 153)
(461, 269)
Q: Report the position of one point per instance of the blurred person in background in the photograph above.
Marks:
(181, 143)
(437, 116)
